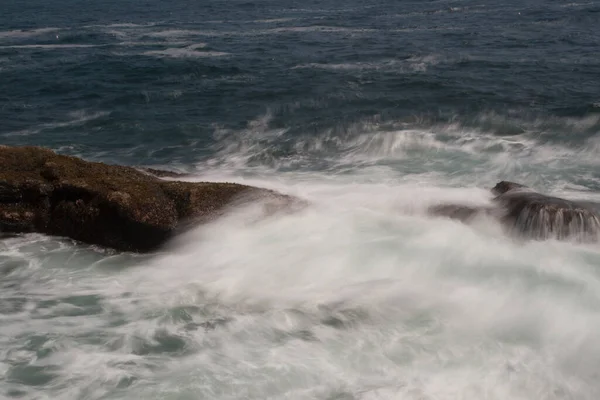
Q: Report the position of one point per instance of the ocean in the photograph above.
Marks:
(370, 110)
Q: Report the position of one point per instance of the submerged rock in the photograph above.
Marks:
(109, 205)
(459, 211)
(530, 214)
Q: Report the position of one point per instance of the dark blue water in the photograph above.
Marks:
(149, 81)
(370, 110)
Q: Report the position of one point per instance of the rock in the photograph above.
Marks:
(161, 173)
(538, 216)
(460, 212)
(533, 215)
(50, 171)
(109, 205)
(505, 186)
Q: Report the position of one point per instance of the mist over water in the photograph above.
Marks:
(356, 297)
(371, 113)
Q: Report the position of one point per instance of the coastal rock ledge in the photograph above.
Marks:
(109, 205)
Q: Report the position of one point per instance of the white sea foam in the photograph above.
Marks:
(74, 118)
(50, 46)
(407, 151)
(318, 28)
(273, 20)
(174, 33)
(185, 52)
(126, 25)
(170, 34)
(574, 4)
(360, 295)
(22, 34)
(409, 65)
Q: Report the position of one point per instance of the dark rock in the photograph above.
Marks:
(50, 171)
(531, 214)
(161, 173)
(506, 186)
(539, 216)
(110, 205)
(460, 212)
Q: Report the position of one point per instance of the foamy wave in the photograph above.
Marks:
(135, 43)
(50, 46)
(136, 33)
(376, 266)
(411, 151)
(122, 25)
(429, 29)
(142, 33)
(318, 28)
(358, 293)
(129, 25)
(350, 295)
(421, 63)
(272, 20)
(174, 33)
(412, 64)
(568, 5)
(259, 32)
(76, 118)
(186, 52)
(473, 9)
(22, 34)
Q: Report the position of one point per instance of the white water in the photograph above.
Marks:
(359, 296)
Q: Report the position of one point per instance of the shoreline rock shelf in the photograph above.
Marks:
(109, 205)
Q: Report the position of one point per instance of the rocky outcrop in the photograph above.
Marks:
(538, 216)
(113, 206)
(530, 214)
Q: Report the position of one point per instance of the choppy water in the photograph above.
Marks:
(370, 110)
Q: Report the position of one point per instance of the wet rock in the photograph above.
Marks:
(538, 216)
(109, 205)
(460, 212)
(506, 186)
(527, 213)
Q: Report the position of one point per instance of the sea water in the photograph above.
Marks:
(370, 111)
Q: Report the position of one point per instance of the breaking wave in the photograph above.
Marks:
(422, 150)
